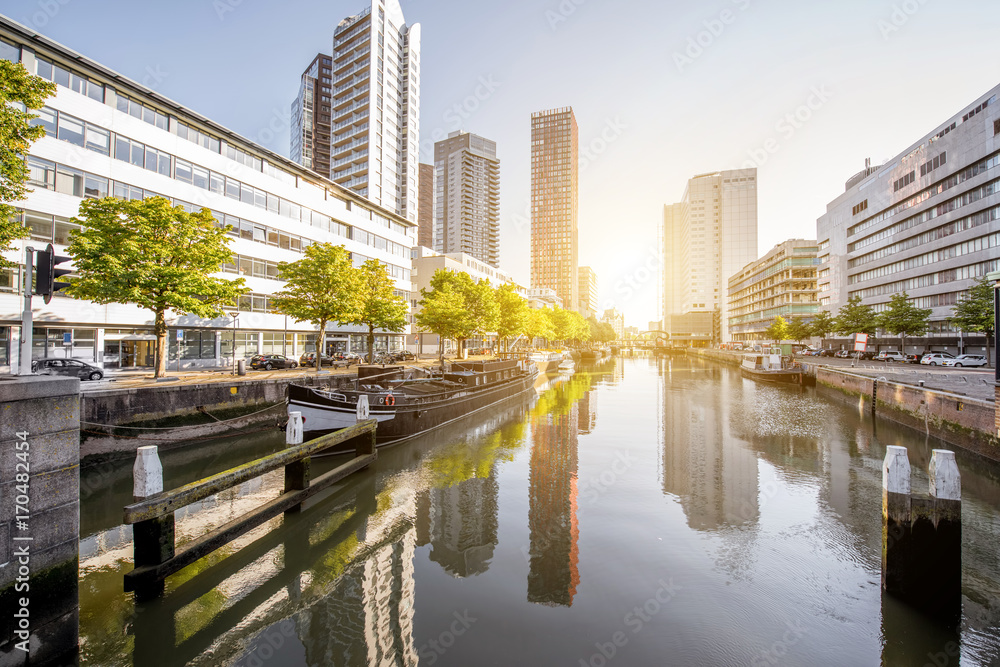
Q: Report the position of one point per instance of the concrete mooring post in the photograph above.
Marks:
(922, 535)
(153, 539)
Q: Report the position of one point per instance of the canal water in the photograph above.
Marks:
(647, 511)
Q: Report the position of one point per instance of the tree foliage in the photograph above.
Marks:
(779, 330)
(799, 329)
(974, 312)
(442, 311)
(823, 324)
(154, 255)
(378, 306)
(512, 313)
(903, 318)
(479, 313)
(321, 287)
(540, 324)
(20, 94)
(855, 317)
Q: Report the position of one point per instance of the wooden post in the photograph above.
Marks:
(922, 535)
(152, 540)
(365, 445)
(297, 474)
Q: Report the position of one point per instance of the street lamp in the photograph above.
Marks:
(236, 318)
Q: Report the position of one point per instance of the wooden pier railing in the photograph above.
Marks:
(152, 515)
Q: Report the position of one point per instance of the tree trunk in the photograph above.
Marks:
(371, 344)
(320, 344)
(160, 329)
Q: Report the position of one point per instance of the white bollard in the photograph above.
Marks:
(896, 470)
(946, 482)
(363, 409)
(147, 473)
(293, 431)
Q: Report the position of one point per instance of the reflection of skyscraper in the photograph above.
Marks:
(460, 524)
(367, 619)
(552, 496)
(588, 412)
(704, 464)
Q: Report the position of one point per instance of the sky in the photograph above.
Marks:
(662, 92)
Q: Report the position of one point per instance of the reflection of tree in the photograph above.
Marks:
(457, 515)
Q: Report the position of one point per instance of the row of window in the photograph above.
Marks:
(932, 235)
(959, 250)
(932, 301)
(931, 165)
(87, 135)
(957, 179)
(971, 272)
(904, 181)
(863, 206)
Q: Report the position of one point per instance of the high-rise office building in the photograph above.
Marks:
(925, 223)
(467, 197)
(425, 206)
(708, 237)
(365, 108)
(587, 292)
(554, 203)
(310, 134)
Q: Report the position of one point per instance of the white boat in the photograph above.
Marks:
(546, 361)
(769, 367)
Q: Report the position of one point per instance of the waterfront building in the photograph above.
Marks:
(782, 283)
(617, 321)
(425, 263)
(467, 197)
(554, 203)
(425, 207)
(107, 135)
(363, 105)
(710, 235)
(544, 298)
(926, 222)
(587, 302)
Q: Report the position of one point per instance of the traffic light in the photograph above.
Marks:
(46, 272)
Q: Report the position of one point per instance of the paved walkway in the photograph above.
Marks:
(975, 383)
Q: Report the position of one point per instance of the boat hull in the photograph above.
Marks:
(781, 377)
(406, 419)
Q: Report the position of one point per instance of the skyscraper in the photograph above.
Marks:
(425, 206)
(310, 134)
(467, 197)
(708, 237)
(362, 106)
(554, 203)
(587, 292)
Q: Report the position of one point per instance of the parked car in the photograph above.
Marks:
(271, 361)
(936, 358)
(914, 358)
(965, 360)
(349, 357)
(890, 356)
(71, 367)
(827, 353)
(309, 359)
(842, 354)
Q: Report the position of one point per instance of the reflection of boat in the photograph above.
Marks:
(769, 367)
(546, 361)
(406, 402)
(567, 365)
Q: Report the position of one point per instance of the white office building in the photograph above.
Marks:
(107, 135)
(357, 117)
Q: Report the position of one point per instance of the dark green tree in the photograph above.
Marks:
(512, 313)
(822, 325)
(378, 306)
(799, 329)
(904, 319)
(778, 331)
(855, 317)
(974, 313)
